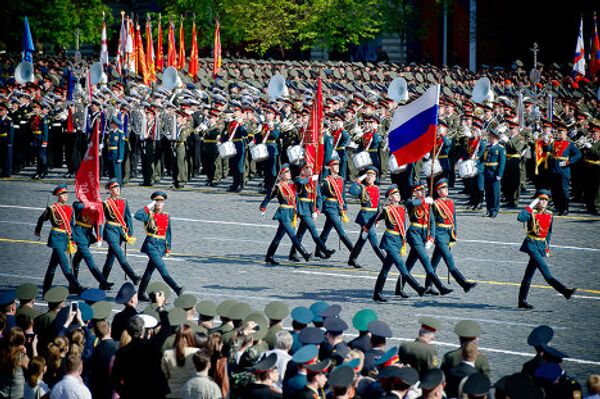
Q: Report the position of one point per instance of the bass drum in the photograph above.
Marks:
(295, 154)
(227, 150)
(467, 169)
(437, 168)
(393, 166)
(259, 153)
(362, 160)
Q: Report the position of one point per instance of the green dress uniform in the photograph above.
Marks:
(180, 172)
(419, 355)
(454, 358)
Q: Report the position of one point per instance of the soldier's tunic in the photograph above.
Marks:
(84, 235)
(39, 130)
(494, 159)
(117, 230)
(6, 146)
(334, 209)
(419, 355)
(562, 151)
(369, 208)
(511, 179)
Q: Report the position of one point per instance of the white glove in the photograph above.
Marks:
(428, 200)
(100, 147)
(314, 177)
(364, 234)
(498, 178)
(468, 134)
(587, 145)
(534, 203)
(151, 205)
(262, 214)
(315, 215)
(504, 138)
(562, 164)
(426, 156)
(429, 244)
(363, 177)
(98, 244)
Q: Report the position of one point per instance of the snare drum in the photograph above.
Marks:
(393, 166)
(467, 169)
(227, 150)
(295, 154)
(437, 168)
(362, 160)
(259, 153)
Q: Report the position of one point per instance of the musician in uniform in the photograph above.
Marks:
(210, 151)
(341, 138)
(20, 125)
(6, 141)
(368, 192)
(444, 147)
(538, 221)
(474, 150)
(60, 238)
(511, 180)
(591, 157)
(55, 134)
(494, 160)
(285, 191)
(563, 154)
(72, 156)
(117, 230)
(115, 149)
(270, 135)
(308, 205)
(237, 133)
(180, 164)
(147, 146)
(39, 129)
(371, 140)
(157, 243)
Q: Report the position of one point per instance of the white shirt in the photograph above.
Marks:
(70, 387)
(281, 364)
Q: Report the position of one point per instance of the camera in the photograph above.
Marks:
(74, 306)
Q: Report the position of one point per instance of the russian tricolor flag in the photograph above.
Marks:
(413, 128)
(579, 60)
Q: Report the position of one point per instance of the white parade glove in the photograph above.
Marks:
(364, 234)
(262, 214)
(151, 205)
(504, 138)
(363, 177)
(315, 177)
(498, 178)
(315, 215)
(468, 134)
(428, 200)
(98, 244)
(562, 164)
(534, 203)
(429, 244)
(587, 145)
(427, 156)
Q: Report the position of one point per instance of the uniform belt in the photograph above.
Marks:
(513, 155)
(78, 223)
(591, 161)
(112, 147)
(236, 140)
(57, 124)
(59, 230)
(364, 208)
(210, 141)
(16, 127)
(442, 156)
(448, 226)
(424, 226)
(270, 142)
(37, 132)
(331, 199)
(491, 164)
(561, 158)
(340, 148)
(114, 223)
(22, 122)
(286, 206)
(158, 237)
(394, 232)
(3, 134)
(536, 237)
(305, 199)
(372, 150)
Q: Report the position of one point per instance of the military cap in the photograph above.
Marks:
(552, 354)
(333, 162)
(7, 297)
(261, 321)
(380, 328)
(277, 310)
(157, 286)
(392, 189)
(513, 122)
(331, 311)
(418, 186)
(150, 310)
(540, 335)
(318, 367)
(30, 312)
(86, 311)
(239, 311)
(372, 170)
(335, 325)
(306, 354)
(542, 194)
(407, 375)
(311, 335)
(284, 168)
(432, 378)
(362, 318)
(60, 189)
(477, 384)
(302, 315)
(185, 301)
(266, 364)
(56, 294)
(316, 309)
(112, 183)
(518, 386)
(158, 195)
(93, 295)
(206, 308)
(388, 358)
(125, 293)
(4, 106)
(149, 321)
(467, 329)
(223, 307)
(341, 376)
(101, 310)
(26, 292)
(176, 316)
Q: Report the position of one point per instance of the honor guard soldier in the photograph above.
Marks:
(237, 133)
(494, 160)
(371, 140)
(420, 236)
(84, 235)
(538, 221)
(6, 141)
(115, 151)
(60, 239)
(467, 331)
(563, 153)
(444, 212)
(157, 243)
(367, 191)
(118, 229)
(285, 191)
(334, 206)
(393, 243)
(591, 154)
(420, 353)
(511, 180)
(39, 129)
(308, 205)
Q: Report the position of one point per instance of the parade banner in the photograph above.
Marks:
(313, 139)
(181, 57)
(87, 181)
(150, 52)
(159, 47)
(171, 53)
(579, 59)
(595, 52)
(193, 69)
(28, 47)
(217, 51)
(413, 127)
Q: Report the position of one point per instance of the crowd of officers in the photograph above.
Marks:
(154, 133)
(201, 349)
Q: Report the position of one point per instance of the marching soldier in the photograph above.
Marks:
(591, 154)
(115, 151)
(368, 192)
(39, 129)
(511, 180)
(285, 191)
(117, 230)
(563, 154)
(494, 160)
(60, 238)
(538, 220)
(6, 141)
(157, 243)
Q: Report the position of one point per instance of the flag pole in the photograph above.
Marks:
(433, 157)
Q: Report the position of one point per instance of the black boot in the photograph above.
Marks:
(436, 281)
(429, 290)
(354, 263)
(305, 254)
(558, 286)
(460, 279)
(399, 291)
(408, 278)
(379, 284)
(48, 278)
(319, 254)
(329, 253)
(293, 257)
(143, 285)
(270, 253)
(523, 291)
(74, 286)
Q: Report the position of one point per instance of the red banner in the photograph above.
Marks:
(87, 181)
(194, 54)
(159, 48)
(181, 46)
(150, 52)
(313, 138)
(171, 52)
(217, 51)
(141, 56)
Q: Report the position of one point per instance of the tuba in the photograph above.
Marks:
(277, 87)
(168, 125)
(482, 91)
(398, 90)
(139, 123)
(24, 73)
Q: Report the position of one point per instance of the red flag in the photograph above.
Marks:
(313, 139)
(595, 52)
(141, 57)
(171, 52)
(87, 181)
(181, 46)
(217, 51)
(150, 51)
(194, 53)
(159, 47)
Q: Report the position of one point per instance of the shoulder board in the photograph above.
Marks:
(550, 212)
